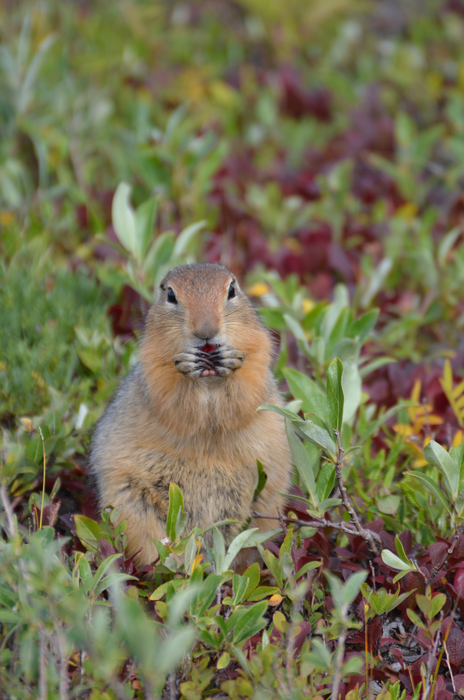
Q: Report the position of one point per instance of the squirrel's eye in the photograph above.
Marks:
(231, 291)
(171, 296)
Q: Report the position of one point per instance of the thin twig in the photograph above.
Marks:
(338, 666)
(371, 565)
(362, 532)
(12, 527)
(173, 695)
(448, 553)
(43, 690)
(63, 661)
(317, 524)
(449, 666)
(282, 521)
(44, 473)
(431, 658)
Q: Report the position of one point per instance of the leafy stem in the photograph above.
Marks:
(362, 532)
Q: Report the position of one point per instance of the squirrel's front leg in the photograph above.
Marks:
(196, 363)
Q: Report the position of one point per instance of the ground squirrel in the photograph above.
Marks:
(187, 414)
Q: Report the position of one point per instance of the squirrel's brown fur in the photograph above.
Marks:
(168, 424)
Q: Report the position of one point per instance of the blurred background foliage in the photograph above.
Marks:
(316, 147)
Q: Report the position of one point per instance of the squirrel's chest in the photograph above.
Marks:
(213, 490)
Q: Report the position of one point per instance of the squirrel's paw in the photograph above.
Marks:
(228, 361)
(196, 363)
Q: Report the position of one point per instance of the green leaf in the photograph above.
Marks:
(185, 238)
(102, 569)
(239, 588)
(348, 352)
(307, 567)
(237, 544)
(262, 592)
(373, 428)
(301, 461)
(352, 586)
(206, 595)
(440, 458)
(253, 575)
(223, 661)
(110, 580)
(176, 506)
(363, 325)
(325, 481)
(123, 216)
(260, 537)
(9, 617)
(306, 389)
(281, 411)
(219, 549)
(159, 254)
(438, 602)
(335, 398)
(250, 623)
(85, 573)
(432, 486)
(261, 479)
(318, 436)
(415, 619)
(88, 531)
(400, 551)
(395, 562)
(144, 222)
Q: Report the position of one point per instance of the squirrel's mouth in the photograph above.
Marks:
(209, 357)
(208, 348)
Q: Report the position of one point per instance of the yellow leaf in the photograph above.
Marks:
(403, 429)
(275, 599)
(419, 463)
(408, 211)
(258, 289)
(415, 396)
(279, 621)
(224, 95)
(308, 305)
(27, 423)
(457, 439)
(434, 419)
(457, 391)
(6, 217)
(427, 440)
(414, 447)
(447, 382)
(435, 82)
(223, 661)
(423, 409)
(197, 561)
(459, 404)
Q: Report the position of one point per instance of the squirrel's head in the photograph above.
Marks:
(202, 307)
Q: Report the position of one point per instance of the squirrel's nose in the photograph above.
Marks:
(205, 327)
(207, 338)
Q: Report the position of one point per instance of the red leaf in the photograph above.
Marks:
(455, 646)
(458, 582)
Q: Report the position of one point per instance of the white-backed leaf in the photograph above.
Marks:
(185, 237)
(432, 486)
(395, 562)
(440, 458)
(301, 461)
(123, 216)
(144, 221)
